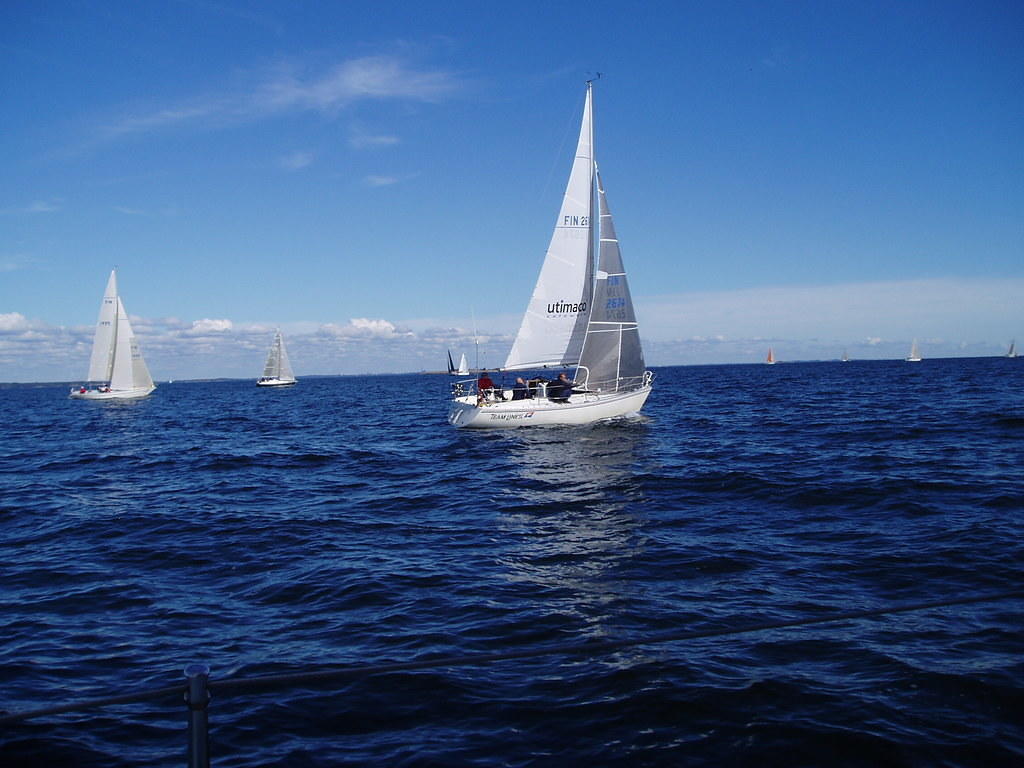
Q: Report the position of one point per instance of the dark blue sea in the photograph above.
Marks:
(343, 522)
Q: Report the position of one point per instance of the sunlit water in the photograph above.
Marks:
(343, 521)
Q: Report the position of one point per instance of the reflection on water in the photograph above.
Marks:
(574, 518)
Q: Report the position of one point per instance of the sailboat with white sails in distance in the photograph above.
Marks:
(278, 370)
(915, 353)
(116, 367)
(579, 316)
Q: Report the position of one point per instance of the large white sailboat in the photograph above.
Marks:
(579, 316)
(278, 370)
(116, 368)
(915, 353)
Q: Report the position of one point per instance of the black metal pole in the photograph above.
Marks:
(197, 696)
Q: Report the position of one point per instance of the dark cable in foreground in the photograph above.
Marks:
(590, 647)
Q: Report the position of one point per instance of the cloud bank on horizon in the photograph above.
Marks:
(949, 317)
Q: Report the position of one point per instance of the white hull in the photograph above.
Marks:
(581, 409)
(913, 359)
(276, 382)
(111, 394)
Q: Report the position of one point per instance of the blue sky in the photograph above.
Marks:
(378, 179)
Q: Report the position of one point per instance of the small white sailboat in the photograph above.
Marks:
(1012, 351)
(915, 353)
(845, 358)
(462, 370)
(278, 371)
(770, 360)
(116, 368)
(578, 316)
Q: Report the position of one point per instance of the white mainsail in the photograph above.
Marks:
(101, 364)
(116, 363)
(551, 334)
(463, 366)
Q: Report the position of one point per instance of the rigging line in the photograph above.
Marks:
(588, 647)
(561, 149)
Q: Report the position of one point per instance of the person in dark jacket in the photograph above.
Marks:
(520, 390)
(560, 389)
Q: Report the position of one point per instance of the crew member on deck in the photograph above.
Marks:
(520, 390)
(486, 389)
(560, 389)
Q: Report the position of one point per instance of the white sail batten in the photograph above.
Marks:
(101, 363)
(551, 334)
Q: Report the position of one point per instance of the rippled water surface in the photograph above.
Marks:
(344, 522)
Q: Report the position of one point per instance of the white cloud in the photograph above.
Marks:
(381, 181)
(363, 327)
(296, 161)
(128, 211)
(288, 90)
(13, 321)
(376, 77)
(207, 325)
(363, 141)
(37, 206)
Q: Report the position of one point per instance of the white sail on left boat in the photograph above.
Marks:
(116, 368)
(278, 370)
(578, 317)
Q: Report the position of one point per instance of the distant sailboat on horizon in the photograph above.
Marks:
(462, 369)
(116, 365)
(845, 358)
(915, 353)
(278, 370)
(1012, 351)
(770, 360)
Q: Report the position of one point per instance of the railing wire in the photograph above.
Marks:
(589, 648)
